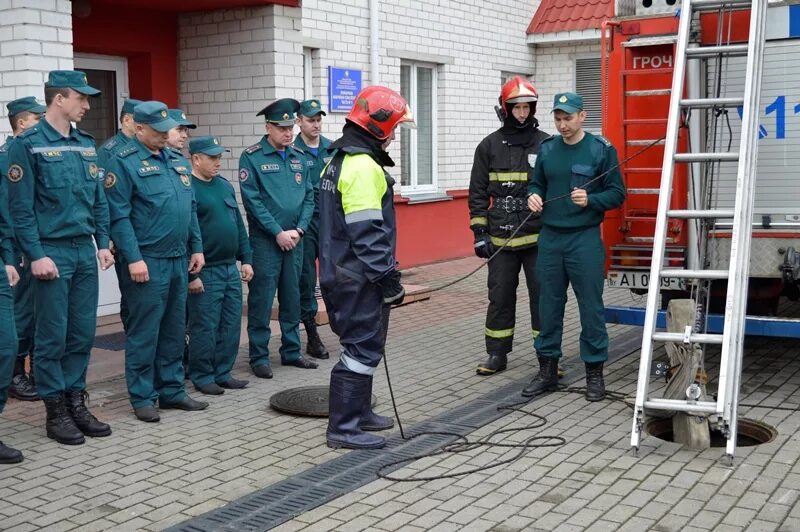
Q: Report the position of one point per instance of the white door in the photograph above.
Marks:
(110, 75)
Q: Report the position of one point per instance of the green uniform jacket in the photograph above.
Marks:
(55, 188)
(316, 164)
(153, 209)
(562, 167)
(277, 193)
(6, 229)
(109, 148)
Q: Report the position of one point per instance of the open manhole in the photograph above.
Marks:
(304, 401)
(750, 432)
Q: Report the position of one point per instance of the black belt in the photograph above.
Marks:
(510, 204)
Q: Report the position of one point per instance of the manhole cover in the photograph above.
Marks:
(304, 401)
(750, 432)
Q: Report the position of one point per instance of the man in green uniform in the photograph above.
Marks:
(315, 146)
(179, 135)
(215, 296)
(153, 222)
(23, 114)
(58, 206)
(575, 181)
(279, 201)
(127, 130)
(8, 333)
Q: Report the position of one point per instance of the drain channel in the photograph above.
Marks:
(284, 500)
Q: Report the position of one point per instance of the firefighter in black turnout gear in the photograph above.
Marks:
(497, 207)
(358, 269)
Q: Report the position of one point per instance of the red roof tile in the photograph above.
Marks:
(568, 15)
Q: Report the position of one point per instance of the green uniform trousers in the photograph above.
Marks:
(23, 307)
(8, 339)
(156, 329)
(574, 258)
(66, 317)
(215, 321)
(120, 266)
(274, 270)
(308, 277)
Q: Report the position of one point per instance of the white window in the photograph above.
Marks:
(587, 83)
(308, 73)
(418, 146)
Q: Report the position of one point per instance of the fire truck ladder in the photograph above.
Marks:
(731, 340)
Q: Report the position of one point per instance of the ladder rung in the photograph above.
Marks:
(707, 103)
(706, 156)
(710, 51)
(711, 5)
(651, 92)
(706, 407)
(655, 191)
(673, 249)
(694, 338)
(691, 214)
(694, 274)
(647, 239)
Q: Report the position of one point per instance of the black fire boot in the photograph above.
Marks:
(494, 364)
(314, 346)
(546, 380)
(9, 455)
(349, 392)
(60, 425)
(370, 421)
(86, 422)
(22, 386)
(595, 386)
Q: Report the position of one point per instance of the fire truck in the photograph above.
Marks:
(637, 59)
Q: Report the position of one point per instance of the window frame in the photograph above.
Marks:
(414, 187)
(308, 73)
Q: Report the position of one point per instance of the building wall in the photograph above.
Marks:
(35, 38)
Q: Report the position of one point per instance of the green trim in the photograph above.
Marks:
(508, 176)
(478, 220)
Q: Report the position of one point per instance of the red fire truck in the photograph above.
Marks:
(637, 68)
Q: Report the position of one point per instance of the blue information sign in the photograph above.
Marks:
(343, 86)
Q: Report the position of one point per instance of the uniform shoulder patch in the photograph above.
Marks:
(254, 148)
(84, 133)
(15, 173)
(127, 151)
(29, 132)
(110, 180)
(603, 140)
(109, 145)
(4, 148)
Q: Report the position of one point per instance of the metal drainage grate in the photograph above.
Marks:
(284, 500)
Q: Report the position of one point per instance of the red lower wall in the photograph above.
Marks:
(149, 39)
(435, 231)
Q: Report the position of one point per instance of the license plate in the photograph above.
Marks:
(640, 280)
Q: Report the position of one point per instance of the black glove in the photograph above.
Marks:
(391, 289)
(483, 245)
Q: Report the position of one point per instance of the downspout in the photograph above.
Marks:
(374, 43)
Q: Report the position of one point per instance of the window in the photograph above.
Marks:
(587, 84)
(418, 146)
(308, 73)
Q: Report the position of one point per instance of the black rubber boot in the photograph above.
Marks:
(494, 364)
(370, 421)
(595, 386)
(9, 455)
(314, 347)
(546, 380)
(86, 422)
(60, 425)
(22, 386)
(348, 393)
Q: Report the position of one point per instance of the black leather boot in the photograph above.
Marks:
(494, 364)
(86, 422)
(546, 380)
(595, 386)
(22, 386)
(314, 347)
(370, 421)
(9, 455)
(348, 393)
(60, 425)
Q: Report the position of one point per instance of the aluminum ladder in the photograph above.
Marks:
(732, 338)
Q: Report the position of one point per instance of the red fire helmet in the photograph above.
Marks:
(518, 90)
(379, 110)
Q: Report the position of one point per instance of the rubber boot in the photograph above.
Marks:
(86, 422)
(22, 387)
(60, 425)
(595, 386)
(348, 393)
(370, 421)
(314, 346)
(546, 380)
(494, 364)
(9, 455)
